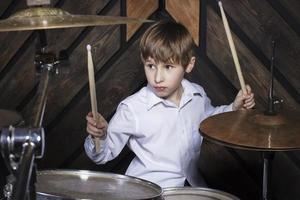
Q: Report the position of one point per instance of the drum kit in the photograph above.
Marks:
(20, 146)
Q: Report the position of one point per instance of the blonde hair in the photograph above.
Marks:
(167, 41)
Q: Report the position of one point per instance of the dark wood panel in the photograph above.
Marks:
(66, 89)
(118, 165)
(250, 161)
(10, 44)
(14, 44)
(65, 86)
(4, 6)
(59, 39)
(254, 72)
(261, 24)
(18, 80)
(114, 85)
(288, 10)
(12, 41)
(19, 87)
(18, 50)
(204, 74)
(285, 178)
(294, 156)
(223, 172)
(293, 7)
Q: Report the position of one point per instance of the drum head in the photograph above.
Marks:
(67, 184)
(187, 193)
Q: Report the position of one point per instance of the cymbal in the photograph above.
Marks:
(8, 117)
(251, 129)
(38, 18)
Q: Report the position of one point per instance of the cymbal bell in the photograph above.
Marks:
(253, 130)
(37, 18)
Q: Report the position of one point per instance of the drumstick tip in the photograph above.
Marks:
(88, 47)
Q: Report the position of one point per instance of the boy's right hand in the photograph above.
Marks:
(96, 128)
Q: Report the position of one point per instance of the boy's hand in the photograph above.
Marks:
(244, 101)
(96, 128)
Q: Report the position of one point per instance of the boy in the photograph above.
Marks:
(160, 122)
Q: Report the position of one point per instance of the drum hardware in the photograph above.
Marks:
(7, 118)
(253, 130)
(269, 156)
(269, 131)
(24, 145)
(46, 64)
(19, 148)
(193, 193)
(272, 101)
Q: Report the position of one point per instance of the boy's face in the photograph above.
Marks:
(165, 78)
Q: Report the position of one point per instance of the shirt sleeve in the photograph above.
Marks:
(210, 110)
(120, 128)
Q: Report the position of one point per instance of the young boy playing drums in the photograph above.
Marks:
(160, 123)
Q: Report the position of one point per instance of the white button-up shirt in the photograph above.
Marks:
(164, 137)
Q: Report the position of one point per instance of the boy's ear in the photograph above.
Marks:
(191, 65)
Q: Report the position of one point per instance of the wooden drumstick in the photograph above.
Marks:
(233, 50)
(92, 92)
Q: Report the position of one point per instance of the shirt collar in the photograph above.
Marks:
(189, 90)
(152, 99)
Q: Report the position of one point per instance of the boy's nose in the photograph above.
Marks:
(158, 76)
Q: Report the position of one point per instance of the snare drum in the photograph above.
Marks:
(189, 193)
(68, 184)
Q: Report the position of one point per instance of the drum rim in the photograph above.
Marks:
(185, 190)
(73, 172)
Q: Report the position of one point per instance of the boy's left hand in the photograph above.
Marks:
(244, 101)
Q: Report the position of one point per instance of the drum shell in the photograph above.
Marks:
(198, 193)
(78, 184)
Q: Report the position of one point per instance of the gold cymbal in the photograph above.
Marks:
(251, 129)
(38, 18)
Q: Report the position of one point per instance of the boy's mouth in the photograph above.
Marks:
(160, 89)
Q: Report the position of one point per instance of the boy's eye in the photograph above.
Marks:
(169, 66)
(151, 66)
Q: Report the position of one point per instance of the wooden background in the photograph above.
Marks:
(119, 73)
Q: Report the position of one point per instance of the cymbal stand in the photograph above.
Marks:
(45, 64)
(270, 110)
(267, 169)
(268, 156)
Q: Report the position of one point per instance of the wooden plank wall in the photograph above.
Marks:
(119, 73)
